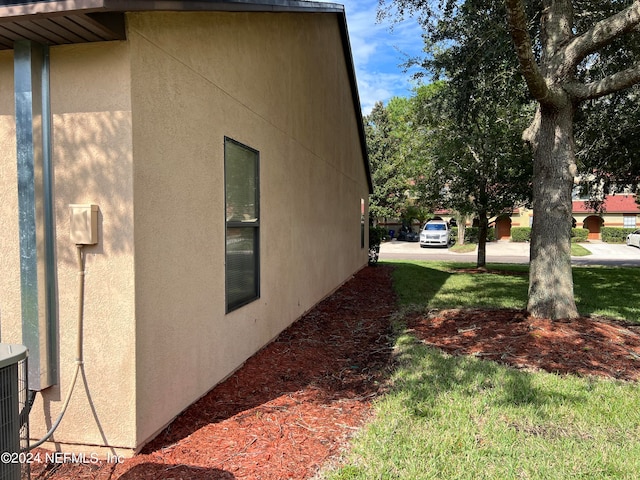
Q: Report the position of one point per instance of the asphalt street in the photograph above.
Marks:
(511, 252)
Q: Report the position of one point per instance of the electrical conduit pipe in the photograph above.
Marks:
(79, 350)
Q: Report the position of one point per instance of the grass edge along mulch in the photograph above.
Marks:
(471, 399)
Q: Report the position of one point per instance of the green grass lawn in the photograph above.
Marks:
(466, 248)
(448, 417)
(576, 250)
(604, 291)
(579, 250)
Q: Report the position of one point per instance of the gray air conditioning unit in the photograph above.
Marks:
(14, 425)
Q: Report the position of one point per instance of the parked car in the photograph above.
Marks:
(407, 234)
(434, 232)
(634, 239)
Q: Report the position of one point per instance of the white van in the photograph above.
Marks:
(435, 232)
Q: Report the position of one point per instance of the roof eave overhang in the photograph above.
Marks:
(60, 22)
(17, 9)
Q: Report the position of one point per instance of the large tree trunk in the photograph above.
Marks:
(550, 275)
(483, 227)
(461, 221)
(554, 86)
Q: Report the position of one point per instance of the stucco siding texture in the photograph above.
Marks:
(91, 153)
(10, 311)
(278, 83)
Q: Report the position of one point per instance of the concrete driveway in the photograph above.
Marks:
(614, 254)
(511, 252)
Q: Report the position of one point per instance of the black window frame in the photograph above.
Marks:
(235, 224)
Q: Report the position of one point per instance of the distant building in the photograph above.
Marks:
(619, 210)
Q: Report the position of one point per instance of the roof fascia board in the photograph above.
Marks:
(225, 5)
(21, 8)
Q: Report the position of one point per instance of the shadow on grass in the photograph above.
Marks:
(436, 375)
(610, 290)
(416, 283)
(607, 291)
(421, 285)
(429, 377)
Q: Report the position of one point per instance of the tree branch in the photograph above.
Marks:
(517, 22)
(612, 83)
(603, 32)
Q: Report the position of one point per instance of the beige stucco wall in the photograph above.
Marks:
(608, 219)
(91, 151)
(277, 83)
(521, 218)
(138, 129)
(10, 321)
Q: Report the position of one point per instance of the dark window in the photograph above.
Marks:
(242, 195)
(362, 223)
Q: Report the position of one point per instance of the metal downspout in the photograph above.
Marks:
(35, 210)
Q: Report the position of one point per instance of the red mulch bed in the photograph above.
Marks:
(291, 408)
(583, 346)
(295, 404)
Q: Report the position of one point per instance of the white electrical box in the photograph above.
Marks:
(84, 224)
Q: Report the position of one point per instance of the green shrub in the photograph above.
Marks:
(453, 235)
(520, 234)
(579, 235)
(377, 235)
(471, 235)
(615, 234)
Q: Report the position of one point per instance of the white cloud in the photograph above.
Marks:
(379, 87)
(378, 52)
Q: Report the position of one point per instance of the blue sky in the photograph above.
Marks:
(378, 52)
